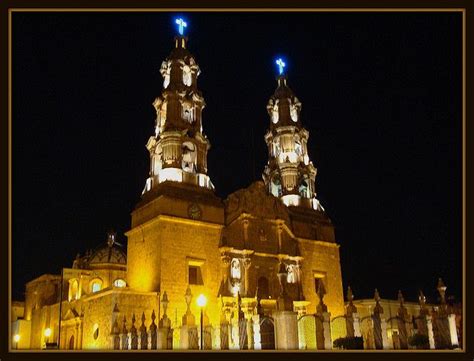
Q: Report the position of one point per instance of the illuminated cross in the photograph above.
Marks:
(181, 24)
(281, 65)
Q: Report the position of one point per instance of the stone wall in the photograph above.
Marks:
(322, 257)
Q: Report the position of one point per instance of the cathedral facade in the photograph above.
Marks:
(200, 271)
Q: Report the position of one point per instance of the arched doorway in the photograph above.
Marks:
(267, 333)
(71, 343)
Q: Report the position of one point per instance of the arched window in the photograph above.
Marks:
(298, 147)
(275, 114)
(263, 288)
(294, 113)
(96, 285)
(119, 282)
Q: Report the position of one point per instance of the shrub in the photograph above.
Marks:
(349, 343)
(419, 341)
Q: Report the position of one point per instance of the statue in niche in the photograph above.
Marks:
(189, 157)
(235, 269)
(262, 235)
(188, 113)
(291, 277)
(277, 148)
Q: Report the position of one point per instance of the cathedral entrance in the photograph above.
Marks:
(267, 333)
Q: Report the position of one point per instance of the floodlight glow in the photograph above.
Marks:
(181, 25)
(16, 338)
(281, 65)
(47, 332)
(201, 300)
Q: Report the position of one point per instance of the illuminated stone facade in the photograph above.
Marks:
(264, 255)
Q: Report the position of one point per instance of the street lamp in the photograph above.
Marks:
(47, 333)
(201, 301)
(16, 338)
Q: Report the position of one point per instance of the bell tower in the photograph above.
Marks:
(289, 173)
(178, 149)
(176, 225)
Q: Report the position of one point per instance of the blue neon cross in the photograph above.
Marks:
(281, 65)
(182, 25)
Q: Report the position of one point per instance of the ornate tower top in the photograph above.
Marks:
(289, 174)
(178, 149)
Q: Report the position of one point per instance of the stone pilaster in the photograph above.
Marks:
(429, 326)
(246, 262)
(452, 330)
(383, 325)
(286, 330)
(257, 338)
(327, 330)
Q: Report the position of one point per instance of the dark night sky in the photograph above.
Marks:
(381, 95)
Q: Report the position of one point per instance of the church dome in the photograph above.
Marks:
(109, 254)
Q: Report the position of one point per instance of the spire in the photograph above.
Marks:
(289, 174)
(351, 308)
(378, 308)
(178, 149)
(422, 301)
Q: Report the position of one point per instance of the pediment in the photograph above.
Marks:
(255, 200)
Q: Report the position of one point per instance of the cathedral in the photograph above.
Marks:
(257, 270)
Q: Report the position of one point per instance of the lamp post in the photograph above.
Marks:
(16, 338)
(201, 301)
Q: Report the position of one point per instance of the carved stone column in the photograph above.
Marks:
(299, 280)
(246, 262)
(245, 223)
(225, 259)
(279, 232)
